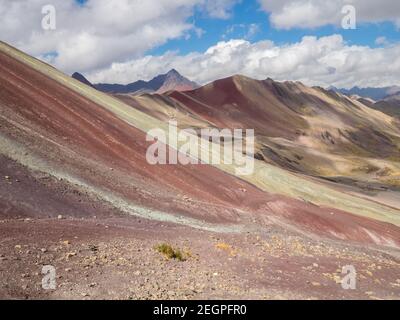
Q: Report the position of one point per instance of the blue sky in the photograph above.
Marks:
(249, 12)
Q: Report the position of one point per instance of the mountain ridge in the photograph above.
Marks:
(172, 80)
(375, 93)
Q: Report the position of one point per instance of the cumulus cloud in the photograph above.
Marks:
(244, 31)
(321, 61)
(107, 41)
(221, 9)
(381, 41)
(100, 32)
(287, 14)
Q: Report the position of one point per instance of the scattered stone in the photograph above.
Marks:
(59, 217)
(93, 248)
(43, 250)
(71, 254)
(316, 284)
(18, 246)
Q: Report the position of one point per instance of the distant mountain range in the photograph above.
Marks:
(385, 99)
(372, 93)
(171, 81)
(389, 105)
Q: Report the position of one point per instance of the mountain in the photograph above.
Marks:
(307, 130)
(82, 79)
(76, 187)
(386, 99)
(372, 93)
(389, 105)
(172, 80)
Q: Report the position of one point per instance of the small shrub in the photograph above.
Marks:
(226, 247)
(223, 246)
(169, 252)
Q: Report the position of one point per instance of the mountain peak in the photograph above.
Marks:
(170, 81)
(173, 72)
(78, 76)
(175, 81)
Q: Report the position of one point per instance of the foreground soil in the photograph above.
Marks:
(115, 258)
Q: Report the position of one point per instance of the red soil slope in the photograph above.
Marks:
(308, 130)
(76, 138)
(226, 103)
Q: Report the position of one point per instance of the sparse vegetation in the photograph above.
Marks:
(169, 252)
(226, 247)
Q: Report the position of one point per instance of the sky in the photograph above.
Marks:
(121, 41)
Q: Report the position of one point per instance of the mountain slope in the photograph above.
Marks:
(390, 105)
(101, 148)
(76, 190)
(306, 130)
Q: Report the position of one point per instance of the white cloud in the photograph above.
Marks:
(254, 28)
(102, 31)
(287, 14)
(381, 41)
(321, 61)
(245, 31)
(107, 40)
(221, 9)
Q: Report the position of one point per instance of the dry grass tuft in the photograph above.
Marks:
(169, 252)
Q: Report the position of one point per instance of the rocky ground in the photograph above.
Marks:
(115, 258)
